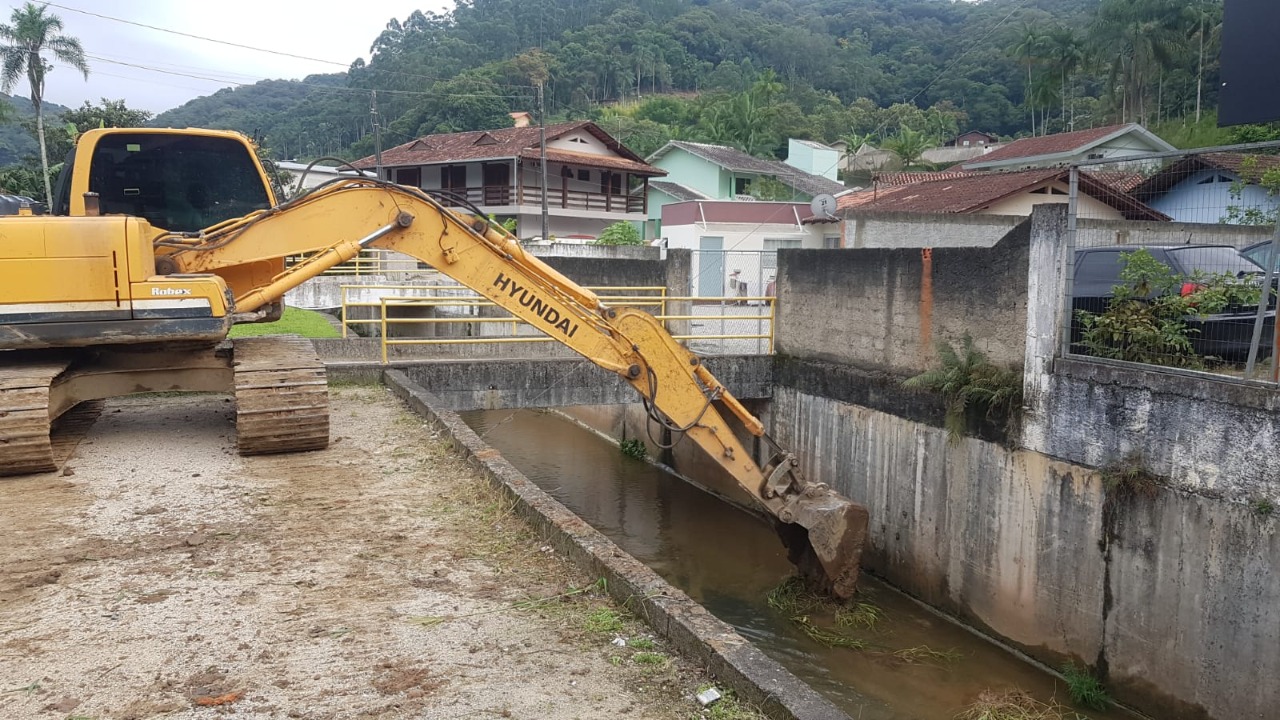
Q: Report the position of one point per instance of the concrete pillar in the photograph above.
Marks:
(678, 269)
(1046, 284)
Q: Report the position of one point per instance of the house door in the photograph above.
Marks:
(711, 266)
(497, 184)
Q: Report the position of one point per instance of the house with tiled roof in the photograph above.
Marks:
(1213, 188)
(1110, 142)
(593, 180)
(719, 172)
(1003, 193)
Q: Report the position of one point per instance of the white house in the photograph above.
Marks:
(1110, 142)
(1214, 188)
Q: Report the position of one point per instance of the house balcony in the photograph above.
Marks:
(497, 198)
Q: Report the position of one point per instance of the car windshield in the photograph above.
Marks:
(1214, 260)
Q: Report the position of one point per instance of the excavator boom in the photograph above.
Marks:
(135, 291)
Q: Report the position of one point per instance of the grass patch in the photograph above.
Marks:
(1085, 689)
(642, 643)
(1014, 705)
(296, 321)
(1262, 507)
(634, 448)
(649, 658)
(859, 615)
(603, 620)
(1127, 478)
(728, 707)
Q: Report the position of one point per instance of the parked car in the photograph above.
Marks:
(1226, 334)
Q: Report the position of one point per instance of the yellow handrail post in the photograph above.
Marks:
(384, 330)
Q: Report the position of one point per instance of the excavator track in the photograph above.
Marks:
(31, 442)
(25, 444)
(282, 396)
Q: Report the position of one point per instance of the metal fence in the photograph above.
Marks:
(727, 273)
(452, 315)
(1200, 295)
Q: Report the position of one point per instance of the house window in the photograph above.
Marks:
(741, 186)
(584, 175)
(409, 176)
(966, 143)
(453, 177)
(769, 259)
(831, 242)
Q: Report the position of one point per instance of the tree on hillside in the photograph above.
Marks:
(110, 114)
(31, 33)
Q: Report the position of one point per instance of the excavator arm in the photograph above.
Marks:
(824, 531)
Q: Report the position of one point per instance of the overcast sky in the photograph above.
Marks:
(323, 29)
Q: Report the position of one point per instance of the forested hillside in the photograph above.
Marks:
(749, 73)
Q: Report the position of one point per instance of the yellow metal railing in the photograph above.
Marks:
(709, 320)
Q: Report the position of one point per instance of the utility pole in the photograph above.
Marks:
(377, 133)
(542, 152)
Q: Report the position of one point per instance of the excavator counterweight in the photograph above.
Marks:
(150, 299)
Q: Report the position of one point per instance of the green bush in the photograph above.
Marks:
(968, 381)
(1146, 321)
(620, 233)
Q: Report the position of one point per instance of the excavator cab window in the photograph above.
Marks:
(181, 183)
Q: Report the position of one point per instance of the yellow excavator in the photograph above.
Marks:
(158, 240)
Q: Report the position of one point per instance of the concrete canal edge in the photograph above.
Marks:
(696, 633)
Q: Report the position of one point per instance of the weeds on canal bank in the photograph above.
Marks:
(633, 448)
(1085, 689)
(1014, 705)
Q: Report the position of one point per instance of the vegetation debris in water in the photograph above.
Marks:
(924, 653)
(1014, 705)
(827, 637)
(859, 614)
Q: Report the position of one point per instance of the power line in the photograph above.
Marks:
(196, 37)
(344, 66)
(322, 88)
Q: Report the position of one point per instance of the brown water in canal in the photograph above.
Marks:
(728, 560)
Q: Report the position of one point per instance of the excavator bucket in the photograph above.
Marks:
(823, 531)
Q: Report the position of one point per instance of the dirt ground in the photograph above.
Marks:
(162, 575)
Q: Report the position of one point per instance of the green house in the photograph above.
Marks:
(698, 171)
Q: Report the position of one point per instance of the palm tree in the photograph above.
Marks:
(908, 145)
(1140, 38)
(1066, 52)
(30, 34)
(1027, 50)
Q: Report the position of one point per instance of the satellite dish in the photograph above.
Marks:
(824, 206)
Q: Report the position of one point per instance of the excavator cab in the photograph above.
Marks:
(176, 181)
